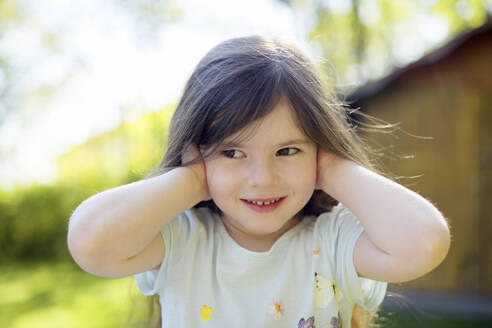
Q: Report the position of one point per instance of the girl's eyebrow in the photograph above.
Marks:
(233, 144)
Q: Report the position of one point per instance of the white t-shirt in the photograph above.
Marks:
(306, 280)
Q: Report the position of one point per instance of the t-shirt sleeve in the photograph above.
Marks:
(182, 235)
(152, 282)
(342, 230)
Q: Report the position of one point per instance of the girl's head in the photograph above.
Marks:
(236, 86)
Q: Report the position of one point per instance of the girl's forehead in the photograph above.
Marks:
(279, 125)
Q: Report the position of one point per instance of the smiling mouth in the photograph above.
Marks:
(263, 201)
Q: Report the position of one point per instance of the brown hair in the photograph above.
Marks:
(239, 81)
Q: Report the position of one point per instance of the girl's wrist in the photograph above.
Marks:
(199, 183)
(336, 171)
(193, 184)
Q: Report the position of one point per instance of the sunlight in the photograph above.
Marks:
(101, 71)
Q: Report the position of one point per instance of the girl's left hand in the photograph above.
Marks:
(327, 164)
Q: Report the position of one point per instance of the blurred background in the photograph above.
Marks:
(87, 90)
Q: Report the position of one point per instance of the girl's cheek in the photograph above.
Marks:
(219, 177)
(307, 176)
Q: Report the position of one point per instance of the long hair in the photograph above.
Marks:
(239, 81)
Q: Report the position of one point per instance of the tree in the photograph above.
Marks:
(366, 39)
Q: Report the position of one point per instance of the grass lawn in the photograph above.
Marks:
(62, 295)
(428, 320)
(51, 295)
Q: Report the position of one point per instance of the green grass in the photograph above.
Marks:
(60, 294)
(429, 320)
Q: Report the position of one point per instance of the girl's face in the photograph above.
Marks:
(262, 183)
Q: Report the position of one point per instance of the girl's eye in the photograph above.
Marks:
(232, 153)
(287, 151)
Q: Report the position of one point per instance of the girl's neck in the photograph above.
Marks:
(258, 243)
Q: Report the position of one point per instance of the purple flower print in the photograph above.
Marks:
(335, 322)
(309, 323)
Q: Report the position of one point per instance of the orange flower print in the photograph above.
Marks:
(315, 253)
(276, 308)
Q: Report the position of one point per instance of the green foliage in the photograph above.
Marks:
(34, 220)
(122, 155)
(8, 10)
(11, 15)
(360, 42)
(59, 294)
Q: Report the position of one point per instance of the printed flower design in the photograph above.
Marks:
(323, 291)
(205, 313)
(335, 322)
(276, 308)
(316, 253)
(309, 323)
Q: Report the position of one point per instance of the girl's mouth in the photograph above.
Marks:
(263, 205)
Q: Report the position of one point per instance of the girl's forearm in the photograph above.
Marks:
(120, 222)
(397, 220)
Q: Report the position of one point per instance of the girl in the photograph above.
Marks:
(265, 210)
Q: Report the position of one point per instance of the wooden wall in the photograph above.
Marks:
(450, 101)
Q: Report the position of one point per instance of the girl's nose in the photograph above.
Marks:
(262, 173)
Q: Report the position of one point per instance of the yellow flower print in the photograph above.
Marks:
(323, 291)
(205, 313)
(276, 308)
(316, 253)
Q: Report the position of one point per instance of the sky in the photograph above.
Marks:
(104, 71)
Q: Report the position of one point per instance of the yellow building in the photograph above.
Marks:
(447, 96)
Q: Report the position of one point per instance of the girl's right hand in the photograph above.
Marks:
(198, 169)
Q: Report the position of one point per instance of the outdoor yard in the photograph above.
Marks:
(59, 294)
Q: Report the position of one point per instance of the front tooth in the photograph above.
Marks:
(264, 203)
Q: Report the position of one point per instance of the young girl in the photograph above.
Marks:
(266, 210)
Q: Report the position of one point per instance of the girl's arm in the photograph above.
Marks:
(116, 233)
(404, 236)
